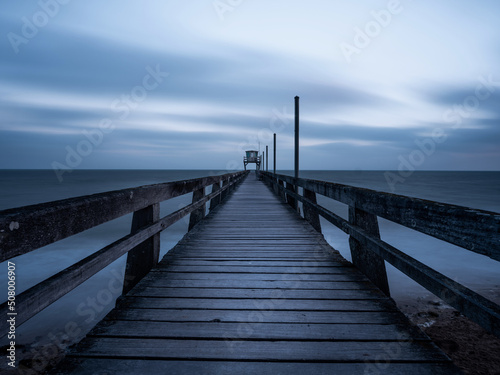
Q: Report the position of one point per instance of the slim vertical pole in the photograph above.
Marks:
(267, 159)
(296, 137)
(274, 158)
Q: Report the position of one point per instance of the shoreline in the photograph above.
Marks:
(471, 348)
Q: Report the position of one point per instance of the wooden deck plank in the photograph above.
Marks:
(264, 331)
(228, 293)
(256, 269)
(255, 303)
(242, 284)
(265, 316)
(265, 351)
(254, 289)
(251, 263)
(261, 276)
(92, 366)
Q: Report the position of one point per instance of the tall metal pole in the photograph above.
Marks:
(296, 137)
(274, 158)
(267, 159)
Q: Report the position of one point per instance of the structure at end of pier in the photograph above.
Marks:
(252, 156)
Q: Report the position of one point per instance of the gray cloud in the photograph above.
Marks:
(64, 81)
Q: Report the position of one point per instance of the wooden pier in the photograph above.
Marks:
(255, 289)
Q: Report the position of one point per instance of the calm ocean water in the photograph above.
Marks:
(88, 303)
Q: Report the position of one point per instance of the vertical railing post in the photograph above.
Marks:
(199, 213)
(280, 190)
(224, 193)
(296, 162)
(144, 256)
(231, 185)
(289, 199)
(274, 184)
(274, 154)
(311, 214)
(267, 159)
(214, 202)
(371, 264)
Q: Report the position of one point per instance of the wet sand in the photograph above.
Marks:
(470, 347)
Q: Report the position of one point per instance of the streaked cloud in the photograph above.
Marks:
(231, 83)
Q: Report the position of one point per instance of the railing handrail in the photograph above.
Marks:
(142, 244)
(369, 251)
(472, 229)
(24, 229)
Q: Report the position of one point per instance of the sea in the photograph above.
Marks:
(72, 316)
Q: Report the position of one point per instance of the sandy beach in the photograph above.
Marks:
(471, 348)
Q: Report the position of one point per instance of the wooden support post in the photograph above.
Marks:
(371, 264)
(275, 185)
(198, 214)
(267, 159)
(296, 166)
(274, 155)
(280, 190)
(215, 200)
(231, 185)
(224, 193)
(144, 256)
(311, 214)
(289, 199)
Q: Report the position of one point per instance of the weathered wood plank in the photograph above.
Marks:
(251, 263)
(371, 264)
(231, 302)
(38, 297)
(255, 303)
(473, 305)
(321, 294)
(256, 255)
(310, 212)
(39, 225)
(473, 229)
(214, 202)
(253, 330)
(144, 256)
(290, 188)
(198, 214)
(242, 257)
(264, 316)
(355, 276)
(162, 282)
(92, 366)
(256, 269)
(257, 350)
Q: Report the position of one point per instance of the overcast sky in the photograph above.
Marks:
(177, 84)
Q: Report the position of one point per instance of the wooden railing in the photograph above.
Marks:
(474, 230)
(28, 228)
